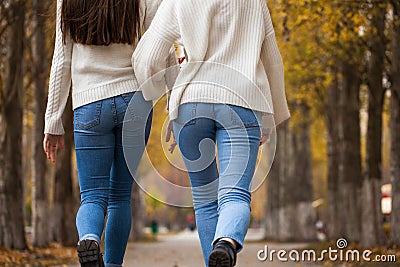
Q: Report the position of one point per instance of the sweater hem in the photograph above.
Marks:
(103, 92)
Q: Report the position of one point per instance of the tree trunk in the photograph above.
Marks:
(40, 200)
(12, 234)
(350, 153)
(275, 176)
(372, 231)
(395, 131)
(290, 215)
(64, 207)
(298, 197)
(138, 213)
(333, 224)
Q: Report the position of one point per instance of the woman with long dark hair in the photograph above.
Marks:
(230, 89)
(94, 43)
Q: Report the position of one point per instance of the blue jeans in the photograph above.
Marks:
(221, 198)
(104, 178)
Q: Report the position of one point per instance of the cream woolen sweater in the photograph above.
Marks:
(232, 50)
(95, 72)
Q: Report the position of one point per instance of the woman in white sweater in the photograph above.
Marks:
(231, 88)
(94, 43)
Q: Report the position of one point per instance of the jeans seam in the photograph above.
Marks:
(213, 112)
(194, 107)
(114, 111)
(124, 97)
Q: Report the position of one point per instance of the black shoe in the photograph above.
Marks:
(89, 254)
(222, 255)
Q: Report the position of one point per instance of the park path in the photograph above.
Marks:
(183, 250)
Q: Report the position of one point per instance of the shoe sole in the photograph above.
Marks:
(219, 258)
(89, 253)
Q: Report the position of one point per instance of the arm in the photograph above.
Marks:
(172, 70)
(60, 80)
(153, 54)
(273, 65)
(150, 10)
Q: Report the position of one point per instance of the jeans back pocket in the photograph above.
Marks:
(187, 114)
(88, 116)
(241, 116)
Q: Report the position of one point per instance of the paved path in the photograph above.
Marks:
(183, 250)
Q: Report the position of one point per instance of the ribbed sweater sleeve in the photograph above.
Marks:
(151, 7)
(60, 80)
(152, 55)
(172, 70)
(273, 65)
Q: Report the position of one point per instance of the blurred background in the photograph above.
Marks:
(337, 166)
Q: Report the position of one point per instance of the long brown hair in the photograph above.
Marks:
(101, 22)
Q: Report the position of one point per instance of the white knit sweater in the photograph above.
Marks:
(95, 72)
(233, 55)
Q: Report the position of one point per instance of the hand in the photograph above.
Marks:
(50, 145)
(170, 132)
(265, 136)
